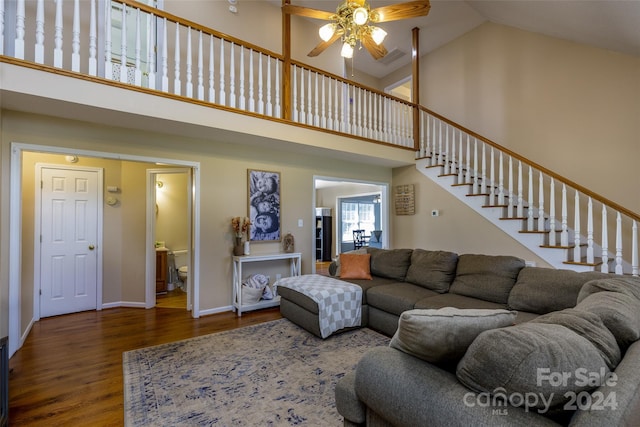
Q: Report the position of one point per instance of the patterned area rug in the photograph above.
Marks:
(271, 374)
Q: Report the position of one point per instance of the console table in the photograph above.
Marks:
(294, 258)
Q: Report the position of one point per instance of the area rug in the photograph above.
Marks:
(270, 374)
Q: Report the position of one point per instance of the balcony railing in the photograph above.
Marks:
(139, 46)
(135, 44)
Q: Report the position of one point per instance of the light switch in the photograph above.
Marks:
(300, 223)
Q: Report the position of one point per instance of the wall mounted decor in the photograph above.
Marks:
(264, 206)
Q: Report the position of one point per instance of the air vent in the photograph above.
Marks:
(392, 56)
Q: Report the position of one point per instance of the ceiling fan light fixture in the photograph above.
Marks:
(347, 50)
(378, 35)
(327, 31)
(360, 16)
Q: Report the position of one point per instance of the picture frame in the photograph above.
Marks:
(264, 206)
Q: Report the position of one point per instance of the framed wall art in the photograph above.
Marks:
(264, 206)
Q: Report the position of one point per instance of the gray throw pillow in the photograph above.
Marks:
(590, 326)
(624, 285)
(619, 312)
(487, 277)
(543, 290)
(443, 335)
(433, 270)
(527, 359)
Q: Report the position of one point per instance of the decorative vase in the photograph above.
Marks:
(238, 248)
(247, 248)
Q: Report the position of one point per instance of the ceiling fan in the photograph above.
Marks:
(350, 23)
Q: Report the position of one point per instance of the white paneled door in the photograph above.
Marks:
(69, 233)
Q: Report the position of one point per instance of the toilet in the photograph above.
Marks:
(182, 276)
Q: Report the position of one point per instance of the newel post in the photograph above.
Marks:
(286, 63)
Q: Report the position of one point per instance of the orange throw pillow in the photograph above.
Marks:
(355, 266)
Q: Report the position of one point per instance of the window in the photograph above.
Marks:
(357, 216)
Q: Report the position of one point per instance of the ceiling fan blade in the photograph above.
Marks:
(323, 45)
(308, 12)
(394, 12)
(376, 50)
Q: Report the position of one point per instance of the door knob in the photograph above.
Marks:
(91, 247)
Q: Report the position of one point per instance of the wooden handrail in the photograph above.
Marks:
(555, 176)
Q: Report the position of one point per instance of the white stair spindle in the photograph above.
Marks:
(212, 76)
(323, 117)
(530, 218)
(20, 30)
(492, 178)
(501, 180)
(453, 159)
(200, 87)
(232, 76)
(123, 45)
(222, 91)
(577, 251)
(269, 106)
(252, 96)
(75, 38)
(440, 150)
(467, 175)
(590, 253)
(260, 84)
(460, 159)
(302, 103)
(310, 97)
(564, 234)
(475, 167)
(189, 71)
(294, 95)
(540, 202)
(277, 90)
(241, 98)
(165, 58)
(57, 38)
(93, 40)
(177, 83)
(39, 49)
(329, 104)
(316, 116)
(520, 206)
(151, 43)
(447, 160)
(634, 249)
(605, 241)
(552, 213)
(618, 244)
(137, 78)
(108, 65)
(513, 200)
(483, 182)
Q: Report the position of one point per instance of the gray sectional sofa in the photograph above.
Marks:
(572, 356)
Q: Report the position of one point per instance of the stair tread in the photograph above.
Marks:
(596, 262)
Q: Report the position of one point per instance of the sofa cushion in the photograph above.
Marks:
(543, 290)
(488, 277)
(625, 285)
(433, 270)
(457, 301)
(619, 312)
(443, 335)
(397, 297)
(355, 266)
(590, 326)
(525, 359)
(390, 263)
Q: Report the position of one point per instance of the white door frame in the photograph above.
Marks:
(16, 339)
(150, 289)
(37, 232)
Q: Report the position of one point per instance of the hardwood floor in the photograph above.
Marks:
(69, 370)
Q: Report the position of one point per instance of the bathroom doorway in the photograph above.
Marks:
(172, 235)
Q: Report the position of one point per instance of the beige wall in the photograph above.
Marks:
(223, 192)
(172, 219)
(572, 108)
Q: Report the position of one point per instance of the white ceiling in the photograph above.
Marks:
(608, 24)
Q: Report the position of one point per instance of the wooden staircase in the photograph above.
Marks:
(529, 203)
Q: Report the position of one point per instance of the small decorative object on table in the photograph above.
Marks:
(288, 243)
(240, 227)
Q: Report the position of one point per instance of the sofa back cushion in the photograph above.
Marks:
(487, 277)
(433, 270)
(390, 263)
(526, 360)
(543, 290)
